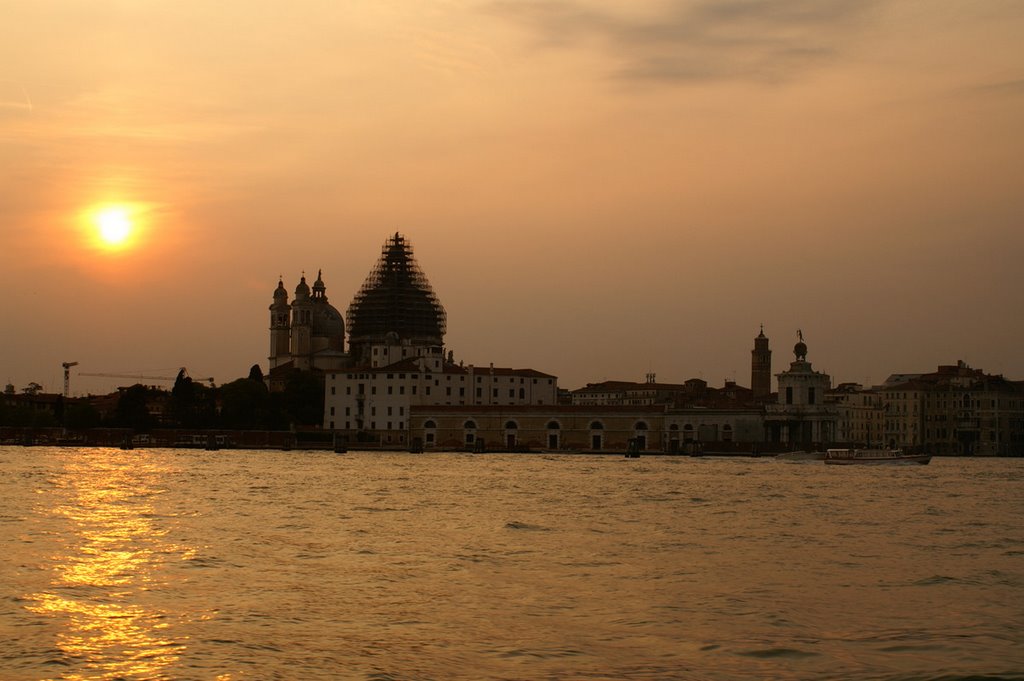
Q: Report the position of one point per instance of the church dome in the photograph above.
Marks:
(396, 298)
(327, 321)
(800, 350)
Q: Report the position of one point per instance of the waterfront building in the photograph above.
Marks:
(860, 418)
(397, 359)
(956, 410)
(801, 416)
(593, 428)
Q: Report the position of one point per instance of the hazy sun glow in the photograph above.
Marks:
(113, 227)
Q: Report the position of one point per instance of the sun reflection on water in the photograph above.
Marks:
(106, 626)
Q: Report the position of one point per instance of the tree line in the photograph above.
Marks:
(242, 404)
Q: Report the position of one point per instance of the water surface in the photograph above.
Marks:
(183, 564)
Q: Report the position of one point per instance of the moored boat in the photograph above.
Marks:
(801, 456)
(874, 456)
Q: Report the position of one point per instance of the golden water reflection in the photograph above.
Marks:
(106, 578)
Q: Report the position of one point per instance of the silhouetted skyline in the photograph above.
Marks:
(596, 190)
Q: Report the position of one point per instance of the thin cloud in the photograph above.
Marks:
(688, 41)
(13, 96)
(1005, 87)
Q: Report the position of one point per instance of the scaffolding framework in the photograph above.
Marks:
(396, 298)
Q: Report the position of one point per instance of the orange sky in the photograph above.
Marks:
(595, 189)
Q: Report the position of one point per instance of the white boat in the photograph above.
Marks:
(874, 456)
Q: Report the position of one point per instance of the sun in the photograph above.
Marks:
(115, 226)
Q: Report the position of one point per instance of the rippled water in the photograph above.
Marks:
(178, 564)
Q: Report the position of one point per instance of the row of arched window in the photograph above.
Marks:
(555, 425)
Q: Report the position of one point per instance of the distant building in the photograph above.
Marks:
(761, 367)
(396, 359)
(860, 415)
(955, 410)
(586, 428)
(801, 417)
(307, 334)
(693, 392)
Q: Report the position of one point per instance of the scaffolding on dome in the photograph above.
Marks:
(396, 298)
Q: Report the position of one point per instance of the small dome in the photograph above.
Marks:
(800, 350)
(303, 288)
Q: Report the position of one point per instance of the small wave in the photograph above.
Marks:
(516, 525)
(769, 653)
(938, 579)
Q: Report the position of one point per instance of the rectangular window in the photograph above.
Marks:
(373, 390)
(414, 390)
(389, 410)
(391, 390)
(401, 390)
(348, 412)
(479, 392)
(373, 411)
(789, 395)
(495, 392)
(333, 389)
(389, 425)
(810, 396)
(401, 412)
(332, 411)
(448, 391)
(462, 392)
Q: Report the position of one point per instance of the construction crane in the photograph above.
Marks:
(67, 376)
(144, 377)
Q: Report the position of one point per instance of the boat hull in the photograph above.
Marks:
(874, 457)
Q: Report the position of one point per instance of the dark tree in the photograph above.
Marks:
(245, 404)
(304, 398)
(256, 373)
(80, 416)
(133, 409)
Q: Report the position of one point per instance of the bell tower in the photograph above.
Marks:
(761, 367)
(280, 327)
(302, 317)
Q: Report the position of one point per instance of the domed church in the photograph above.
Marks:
(394, 316)
(309, 333)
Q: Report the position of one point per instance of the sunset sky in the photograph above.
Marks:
(595, 189)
